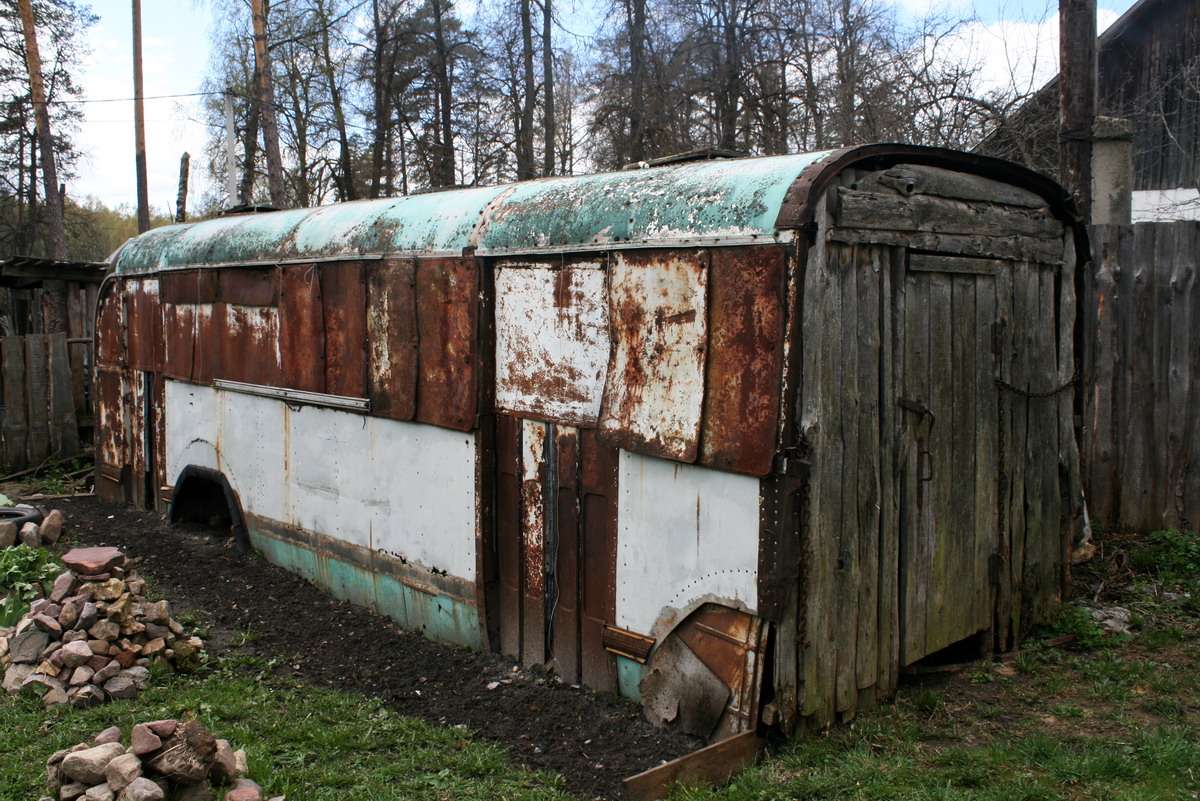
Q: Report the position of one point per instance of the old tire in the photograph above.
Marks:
(19, 515)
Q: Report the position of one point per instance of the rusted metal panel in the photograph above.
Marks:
(654, 393)
(143, 323)
(731, 643)
(534, 467)
(111, 448)
(392, 338)
(566, 618)
(208, 346)
(598, 549)
(552, 341)
(301, 328)
(179, 339)
(447, 321)
(110, 331)
(508, 532)
(745, 359)
(344, 305)
(250, 344)
(249, 287)
(158, 446)
(190, 286)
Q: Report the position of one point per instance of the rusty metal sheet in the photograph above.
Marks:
(249, 287)
(552, 341)
(209, 337)
(250, 344)
(158, 446)
(392, 338)
(301, 328)
(566, 619)
(745, 359)
(179, 339)
(190, 286)
(654, 393)
(110, 333)
(534, 465)
(508, 533)
(344, 305)
(143, 324)
(111, 437)
(598, 554)
(447, 321)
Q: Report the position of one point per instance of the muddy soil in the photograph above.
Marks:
(592, 740)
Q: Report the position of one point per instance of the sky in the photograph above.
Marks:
(1010, 38)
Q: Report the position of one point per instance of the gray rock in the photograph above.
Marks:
(27, 646)
(121, 772)
(88, 615)
(105, 630)
(88, 695)
(138, 674)
(224, 767)
(55, 696)
(52, 527)
(142, 789)
(163, 728)
(8, 535)
(15, 676)
(121, 688)
(69, 792)
(101, 792)
(76, 653)
(80, 676)
(107, 672)
(245, 790)
(88, 766)
(110, 735)
(30, 535)
(65, 586)
(243, 765)
(47, 624)
(195, 792)
(69, 615)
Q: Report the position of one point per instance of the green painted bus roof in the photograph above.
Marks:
(722, 201)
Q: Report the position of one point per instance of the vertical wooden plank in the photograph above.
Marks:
(987, 535)
(1136, 255)
(344, 307)
(940, 551)
(302, 328)
(870, 267)
(64, 426)
(1101, 351)
(566, 610)
(37, 398)
(916, 521)
(1005, 342)
(844, 450)
(1026, 507)
(891, 346)
(1191, 447)
(16, 418)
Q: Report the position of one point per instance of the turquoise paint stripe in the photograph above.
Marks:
(629, 676)
(436, 616)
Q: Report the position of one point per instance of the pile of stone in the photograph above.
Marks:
(34, 535)
(164, 759)
(94, 637)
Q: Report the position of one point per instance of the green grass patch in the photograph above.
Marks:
(25, 574)
(303, 742)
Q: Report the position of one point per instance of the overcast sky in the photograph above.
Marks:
(1014, 36)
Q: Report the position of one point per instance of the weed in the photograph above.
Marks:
(25, 573)
(1173, 556)
(927, 701)
(1077, 621)
(1068, 710)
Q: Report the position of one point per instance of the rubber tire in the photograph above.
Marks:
(19, 515)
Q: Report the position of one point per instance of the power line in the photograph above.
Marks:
(125, 99)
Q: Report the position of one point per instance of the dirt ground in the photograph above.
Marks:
(592, 740)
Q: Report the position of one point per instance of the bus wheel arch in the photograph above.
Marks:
(201, 494)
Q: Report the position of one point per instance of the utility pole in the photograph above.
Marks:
(139, 124)
(181, 199)
(1077, 99)
(37, 90)
(266, 103)
(230, 158)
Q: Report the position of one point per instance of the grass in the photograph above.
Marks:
(303, 742)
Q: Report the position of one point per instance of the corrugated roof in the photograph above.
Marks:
(719, 201)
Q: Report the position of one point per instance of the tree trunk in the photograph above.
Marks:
(266, 104)
(379, 134)
(181, 198)
(1077, 95)
(525, 127)
(33, 60)
(250, 145)
(637, 79)
(345, 181)
(549, 125)
(139, 124)
(443, 172)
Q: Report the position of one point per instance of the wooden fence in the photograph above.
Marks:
(1141, 364)
(45, 399)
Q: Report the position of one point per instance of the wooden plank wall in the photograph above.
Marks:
(41, 395)
(1141, 362)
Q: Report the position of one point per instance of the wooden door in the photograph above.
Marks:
(947, 455)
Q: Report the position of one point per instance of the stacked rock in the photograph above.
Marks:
(165, 759)
(94, 637)
(35, 535)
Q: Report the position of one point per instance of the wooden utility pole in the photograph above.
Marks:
(266, 104)
(37, 90)
(548, 123)
(181, 198)
(139, 124)
(1077, 98)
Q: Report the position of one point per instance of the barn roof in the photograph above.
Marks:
(726, 201)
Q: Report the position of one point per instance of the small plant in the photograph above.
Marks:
(1068, 710)
(24, 575)
(1074, 620)
(1172, 555)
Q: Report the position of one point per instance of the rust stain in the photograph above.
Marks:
(533, 506)
(110, 335)
(179, 339)
(250, 346)
(344, 309)
(744, 377)
(392, 338)
(301, 328)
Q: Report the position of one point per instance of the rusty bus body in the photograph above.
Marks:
(742, 438)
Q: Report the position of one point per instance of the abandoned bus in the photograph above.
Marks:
(742, 438)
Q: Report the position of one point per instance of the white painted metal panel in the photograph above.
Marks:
(654, 392)
(684, 534)
(552, 341)
(405, 489)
